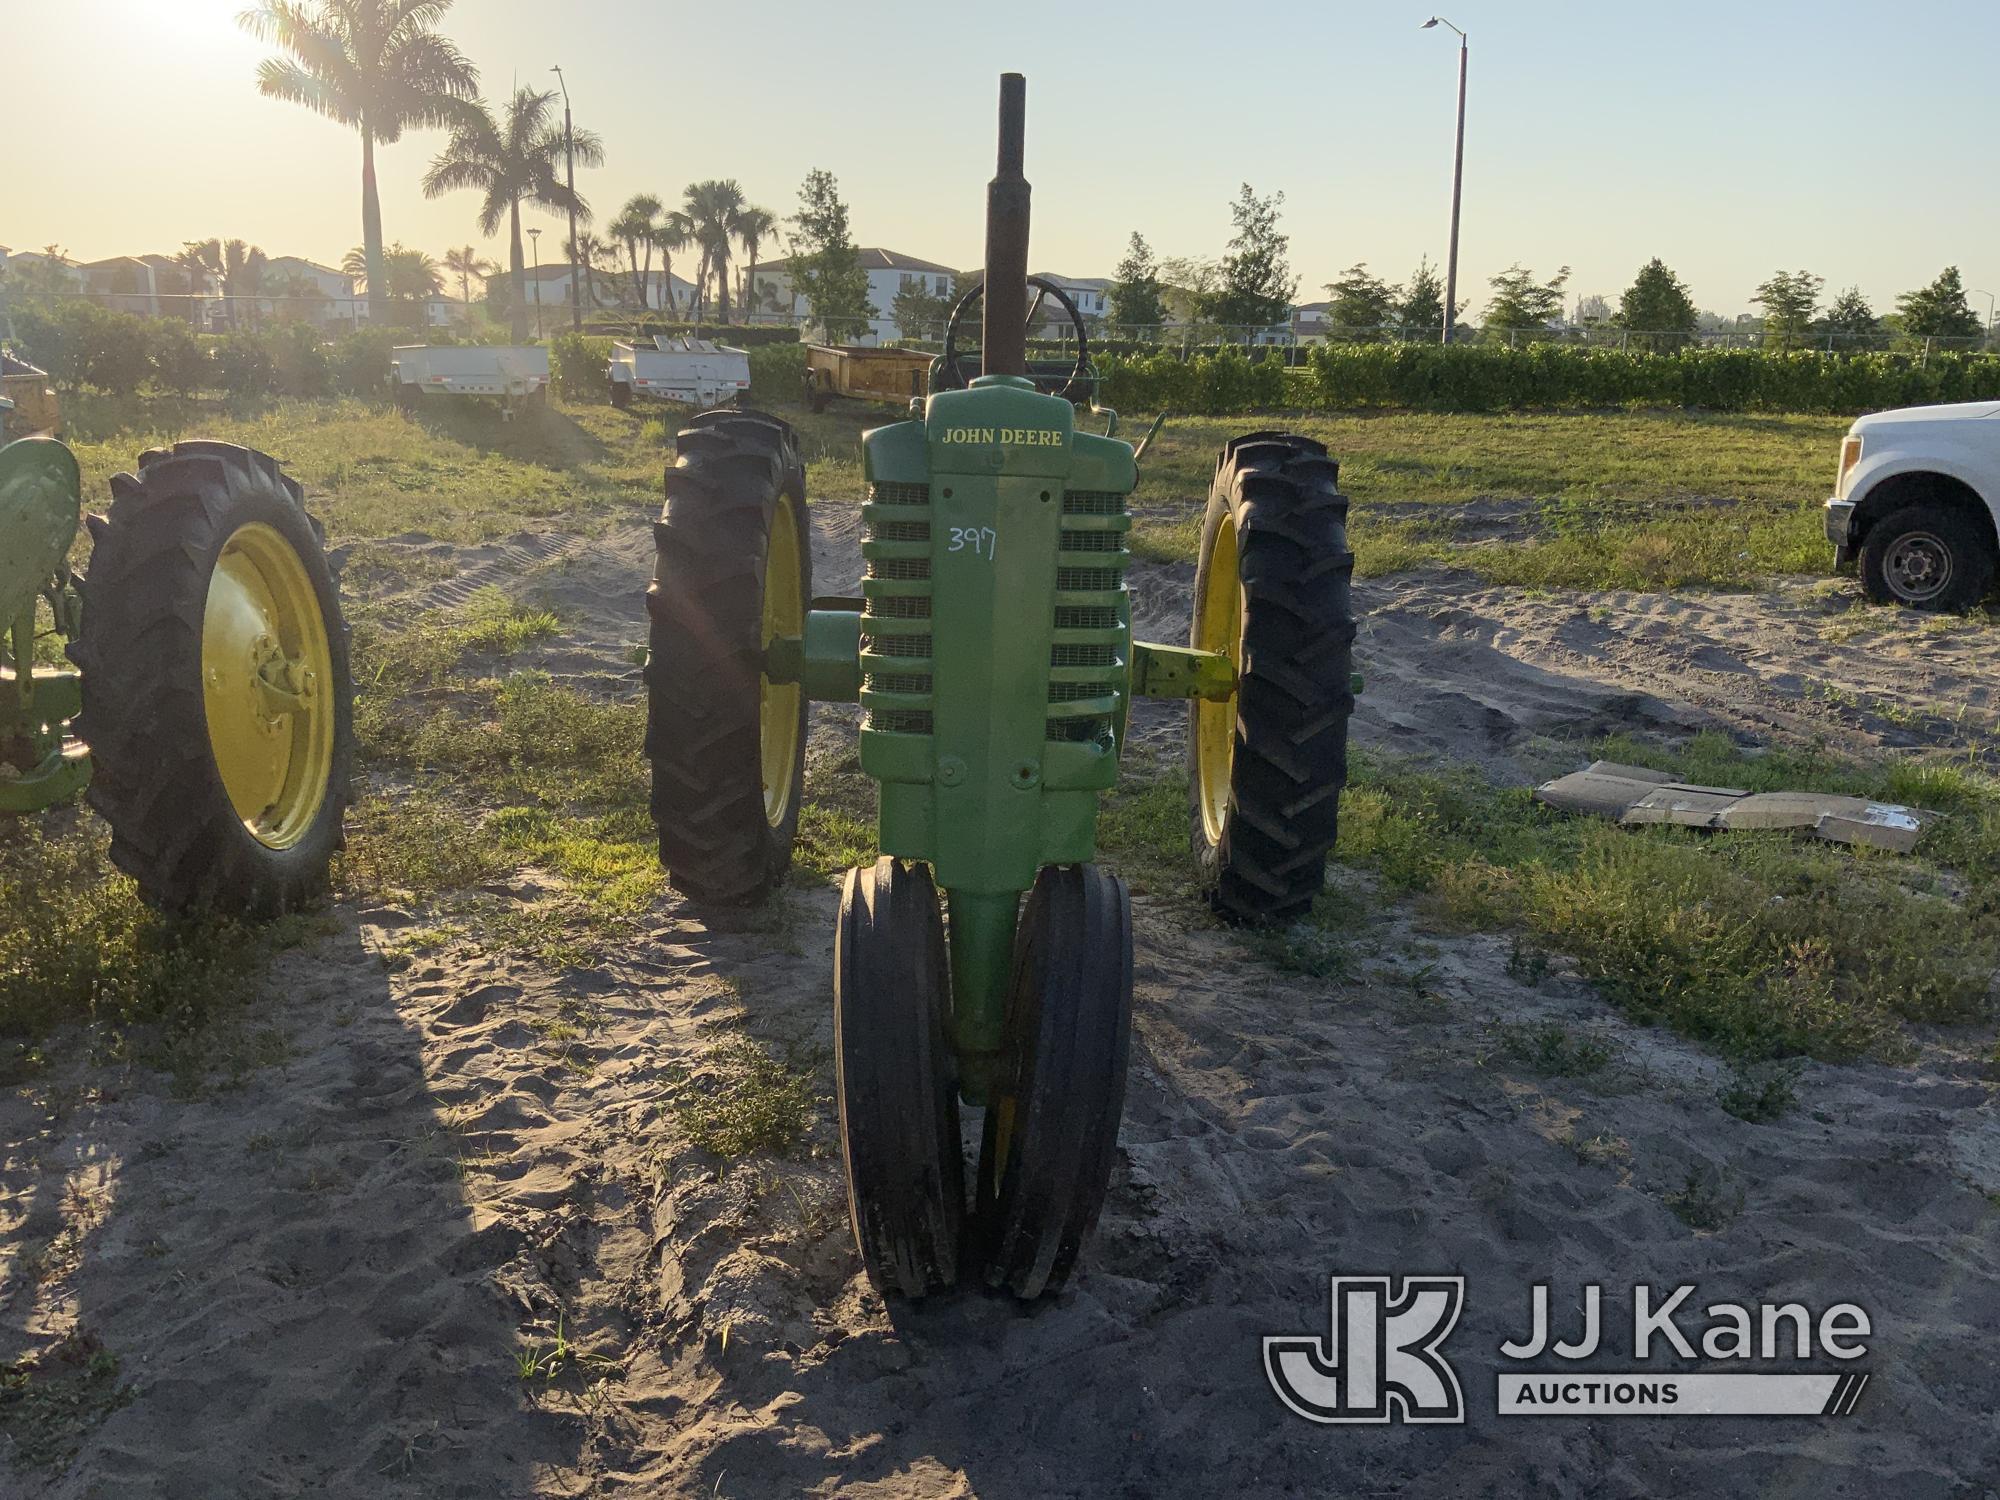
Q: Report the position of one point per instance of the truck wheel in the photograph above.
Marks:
(1051, 1131)
(1265, 767)
(408, 397)
(898, 1090)
(216, 698)
(621, 395)
(733, 573)
(1926, 557)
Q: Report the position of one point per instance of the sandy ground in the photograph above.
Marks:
(318, 1282)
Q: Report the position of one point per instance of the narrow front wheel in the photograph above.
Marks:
(895, 1078)
(1051, 1131)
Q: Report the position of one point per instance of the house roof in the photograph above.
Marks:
(1080, 283)
(874, 258)
(110, 261)
(1313, 307)
(300, 260)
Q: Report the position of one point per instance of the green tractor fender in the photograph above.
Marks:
(41, 497)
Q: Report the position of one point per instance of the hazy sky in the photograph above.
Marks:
(1853, 140)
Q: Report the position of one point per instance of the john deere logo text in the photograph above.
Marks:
(1006, 437)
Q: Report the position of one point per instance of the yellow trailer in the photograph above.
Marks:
(863, 374)
(35, 408)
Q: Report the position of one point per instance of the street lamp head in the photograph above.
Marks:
(1428, 24)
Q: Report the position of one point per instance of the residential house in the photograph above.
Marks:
(1309, 322)
(1091, 294)
(605, 290)
(25, 263)
(319, 293)
(889, 272)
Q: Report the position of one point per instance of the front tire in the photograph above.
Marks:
(897, 1081)
(216, 696)
(1927, 557)
(1051, 1131)
(1267, 765)
(734, 572)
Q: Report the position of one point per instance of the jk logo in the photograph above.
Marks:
(1381, 1351)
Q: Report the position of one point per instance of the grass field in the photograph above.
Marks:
(483, 778)
(1644, 500)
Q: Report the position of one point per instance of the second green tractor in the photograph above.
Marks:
(984, 961)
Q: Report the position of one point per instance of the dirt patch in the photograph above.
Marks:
(460, 1241)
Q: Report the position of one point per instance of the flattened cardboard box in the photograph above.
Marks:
(1635, 795)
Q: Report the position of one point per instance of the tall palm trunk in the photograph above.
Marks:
(371, 226)
(722, 287)
(750, 288)
(518, 261)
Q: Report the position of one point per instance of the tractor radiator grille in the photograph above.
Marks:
(1084, 650)
(1093, 503)
(896, 698)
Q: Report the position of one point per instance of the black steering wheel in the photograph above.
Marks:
(1077, 387)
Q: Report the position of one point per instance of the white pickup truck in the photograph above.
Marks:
(1916, 502)
(507, 373)
(695, 372)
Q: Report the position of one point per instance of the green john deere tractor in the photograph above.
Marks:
(991, 653)
(210, 715)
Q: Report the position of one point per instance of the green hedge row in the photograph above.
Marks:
(81, 344)
(1346, 377)
(577, 364)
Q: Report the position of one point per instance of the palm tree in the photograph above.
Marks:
(676, 232)
(242, 276)
(465, 263)
(378, 66)
(636, 225)
(407, 275)
(588, 253)
(713, 206)
(510, 160)
(753, 227)
(198, 260)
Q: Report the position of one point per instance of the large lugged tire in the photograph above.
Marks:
(1266, 767)
(1051, 1131)
(898, 1089)
(1927, 556)
(216, 697)
(734, 571)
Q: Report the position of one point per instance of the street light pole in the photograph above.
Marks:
(1457, 178)
(569, 153)
(1989, 309)
(535, 240)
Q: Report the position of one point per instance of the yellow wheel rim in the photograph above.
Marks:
(267, 686)
(778, 709)
(1218, 627)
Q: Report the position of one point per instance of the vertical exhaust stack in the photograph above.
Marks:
(1004, 336)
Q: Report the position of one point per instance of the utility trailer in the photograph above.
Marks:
(863, 373)
(694, 372)
(510, 374)
(32, 404)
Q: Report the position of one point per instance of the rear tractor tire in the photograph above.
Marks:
(1266, 767)
(1927, 557)
(898, 1090)
(217, 703)
(1051, 1131)
(733, 573)
(621, 395)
